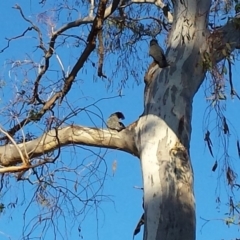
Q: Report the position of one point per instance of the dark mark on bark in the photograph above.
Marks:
(165, 96)
(181, 126)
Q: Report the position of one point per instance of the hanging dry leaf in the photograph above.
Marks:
(214, 166)
(114, 167)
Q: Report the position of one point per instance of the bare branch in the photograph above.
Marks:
(111, 8)
(14, 38)
(91, 9)
(97, 26)
(158, 3)
(52, 140)
(47, 106)
(33, 27)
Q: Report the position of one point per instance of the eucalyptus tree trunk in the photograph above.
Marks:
(164, 129)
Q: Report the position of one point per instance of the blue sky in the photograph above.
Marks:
(121, 207)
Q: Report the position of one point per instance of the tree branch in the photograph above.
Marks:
(97, 26)
(102, 13)
(10, 154)
(225, 40)
(158, 3)
(48, 52)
